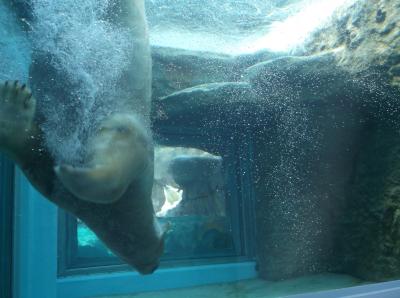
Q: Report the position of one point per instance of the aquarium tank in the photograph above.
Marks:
(199, 148)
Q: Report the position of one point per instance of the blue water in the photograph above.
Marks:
(268, 160)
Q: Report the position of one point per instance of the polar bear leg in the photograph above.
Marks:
(117, 174)
(119, 153)
(121, 149)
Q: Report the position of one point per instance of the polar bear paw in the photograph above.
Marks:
(118, 154)
(17, 110)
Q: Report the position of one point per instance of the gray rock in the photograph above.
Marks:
(366, 42)
(177, 69)
(201, 179)
(216, 105)
(362, 36)
(320, 80)
(305, 79)
(304, 161)
(189, 170)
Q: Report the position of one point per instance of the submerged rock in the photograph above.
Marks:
(305, 115)
(208, 105)
(201, 179)
(369, 246)
(177, 69)
(304, 162)
(365, 40)
(312, 78)
(363, 36)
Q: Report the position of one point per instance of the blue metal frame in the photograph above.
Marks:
(6, 225)
(35, 259)
(35, 242)
(164, 279)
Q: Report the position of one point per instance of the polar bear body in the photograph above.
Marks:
(110, 189)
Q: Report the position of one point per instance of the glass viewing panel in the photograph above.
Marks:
(189, 195)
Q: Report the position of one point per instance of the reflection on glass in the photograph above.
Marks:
(189, 193)
(188, 182)
(189, 196)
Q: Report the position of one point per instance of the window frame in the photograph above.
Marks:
(6, 225)
(35, 242)
(35, 260)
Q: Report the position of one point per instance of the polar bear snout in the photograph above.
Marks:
(149, 269)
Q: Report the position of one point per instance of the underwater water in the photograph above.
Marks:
(236, 27)
(275, 127)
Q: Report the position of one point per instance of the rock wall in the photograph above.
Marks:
(369, 246)
(304, 162)
(177, 69)
(318, 127)
(305, 115)
(364, 36)
(365, 40)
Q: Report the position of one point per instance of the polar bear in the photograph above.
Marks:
(110, 191)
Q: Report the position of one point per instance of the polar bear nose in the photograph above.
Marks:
(154, 268)
(148, 269)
